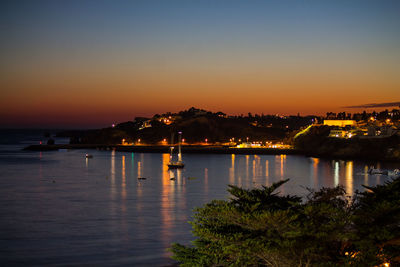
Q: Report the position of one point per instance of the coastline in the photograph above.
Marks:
(188, 149)
(195, 149)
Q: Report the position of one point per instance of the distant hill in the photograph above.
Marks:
(196, 126)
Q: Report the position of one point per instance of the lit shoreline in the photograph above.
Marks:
(192, 149)
(209, 149)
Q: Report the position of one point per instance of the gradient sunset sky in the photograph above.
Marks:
(88, 64)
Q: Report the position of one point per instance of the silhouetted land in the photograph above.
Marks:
(196, 125)
(201, 128)
(318, 143)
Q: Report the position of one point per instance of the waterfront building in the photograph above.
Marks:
(340, 123)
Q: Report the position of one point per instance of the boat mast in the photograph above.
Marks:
(171, 148)
(170, 156)
(179, 148)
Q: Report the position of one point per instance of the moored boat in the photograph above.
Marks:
(179, 163)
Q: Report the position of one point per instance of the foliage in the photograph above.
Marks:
(259, 227)
(376, 219)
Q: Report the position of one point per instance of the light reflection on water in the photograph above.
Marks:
(67, 209)
(349, 177)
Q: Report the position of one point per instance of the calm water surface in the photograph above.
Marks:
(59, 208)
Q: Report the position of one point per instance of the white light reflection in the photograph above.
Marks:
(179, 178)
(336, 173)
(181, 188)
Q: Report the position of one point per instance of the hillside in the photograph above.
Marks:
(316, 142)
(196, 125)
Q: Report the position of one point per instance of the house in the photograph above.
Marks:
(340, 123)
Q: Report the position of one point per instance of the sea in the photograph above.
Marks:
(60, 208)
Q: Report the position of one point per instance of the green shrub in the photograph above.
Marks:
(259, 227)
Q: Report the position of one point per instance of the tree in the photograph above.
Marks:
(259, 227)
(376, 219)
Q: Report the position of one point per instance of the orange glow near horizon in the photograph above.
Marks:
(72, 105)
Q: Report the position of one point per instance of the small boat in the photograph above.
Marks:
(394, 174)
(141, 178)
(377, 171)
(88, 156)
(176, 164)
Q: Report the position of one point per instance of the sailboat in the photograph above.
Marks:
(176, 164)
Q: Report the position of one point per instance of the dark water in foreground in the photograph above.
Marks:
(60, 208)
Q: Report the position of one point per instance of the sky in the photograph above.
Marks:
(88, 64)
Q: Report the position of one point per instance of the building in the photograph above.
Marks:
(340, 123)
(145, 124)
(338, 133)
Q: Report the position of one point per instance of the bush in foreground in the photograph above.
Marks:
(258, 227)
